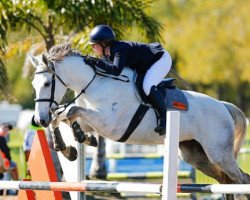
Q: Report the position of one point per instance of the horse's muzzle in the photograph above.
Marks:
(44, 122)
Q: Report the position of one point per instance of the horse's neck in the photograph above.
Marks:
(102, 91)
(75, 71)
(105, 91)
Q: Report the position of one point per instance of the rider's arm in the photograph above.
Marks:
(116, 67)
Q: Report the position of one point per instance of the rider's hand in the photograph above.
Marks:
(91, 60)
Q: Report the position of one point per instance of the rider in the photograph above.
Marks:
(150, 59)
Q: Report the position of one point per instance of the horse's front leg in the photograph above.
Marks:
(88, 115)
(79, 134)
(98, 166)
(68, 151)
(58, 142)
(57, 139)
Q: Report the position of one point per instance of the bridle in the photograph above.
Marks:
(53, 84)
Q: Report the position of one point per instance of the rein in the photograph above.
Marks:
(53, 83)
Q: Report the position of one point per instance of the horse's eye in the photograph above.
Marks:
(47, 84)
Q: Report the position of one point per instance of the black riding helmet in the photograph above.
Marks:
(102, 34)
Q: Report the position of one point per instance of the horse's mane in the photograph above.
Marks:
(58, 52)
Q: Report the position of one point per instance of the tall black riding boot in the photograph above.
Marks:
(158, 103)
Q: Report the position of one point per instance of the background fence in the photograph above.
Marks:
(17, 154)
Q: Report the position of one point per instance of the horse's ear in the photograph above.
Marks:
(33, 59)
(45, 60)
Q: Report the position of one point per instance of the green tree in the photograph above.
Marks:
(3, 27)
(53, 19)
(211, 41)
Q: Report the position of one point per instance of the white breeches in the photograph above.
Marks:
(157, 72)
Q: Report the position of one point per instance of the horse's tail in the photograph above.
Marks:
(240, 123)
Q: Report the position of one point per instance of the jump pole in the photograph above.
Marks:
(170, 163)
(120, 187)
(84, 186)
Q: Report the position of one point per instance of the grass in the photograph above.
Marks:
(17, 153)
(247, 141)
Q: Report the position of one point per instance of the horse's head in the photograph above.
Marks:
(49, 88)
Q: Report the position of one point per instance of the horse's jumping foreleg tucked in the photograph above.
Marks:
(81, 137)
(88, 115)
(79, 134)
(68, 151)
(78, 130)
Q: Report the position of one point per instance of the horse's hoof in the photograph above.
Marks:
(91, 141)
(70, 153)
(57, 147)
(97, 177)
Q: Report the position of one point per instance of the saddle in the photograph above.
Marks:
(174, 97)
(174, 100)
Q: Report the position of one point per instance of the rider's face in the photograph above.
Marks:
(97, 48)
(4, 131)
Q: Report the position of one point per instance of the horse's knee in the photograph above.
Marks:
(72, 113)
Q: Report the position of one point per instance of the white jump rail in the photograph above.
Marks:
(114, 187)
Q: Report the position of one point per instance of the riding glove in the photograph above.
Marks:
(103, 64)
(91, 60)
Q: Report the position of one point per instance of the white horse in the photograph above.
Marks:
(211, 131)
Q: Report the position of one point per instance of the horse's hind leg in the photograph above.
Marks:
(230, 168)
(193, 153)
(247, 178)
(98, 169)
(221, 154)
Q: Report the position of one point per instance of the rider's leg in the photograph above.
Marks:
(153, 77)
(158, 103)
